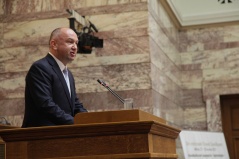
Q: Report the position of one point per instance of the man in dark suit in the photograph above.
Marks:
(50, 97)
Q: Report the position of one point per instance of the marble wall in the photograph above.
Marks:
(134, 60)
(165, 65)
(123, 62)
(209, 69)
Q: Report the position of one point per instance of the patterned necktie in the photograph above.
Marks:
(65, 72)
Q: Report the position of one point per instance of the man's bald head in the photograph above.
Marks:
(54, 34)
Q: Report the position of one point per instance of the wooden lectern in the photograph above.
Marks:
(124, 134)
(2, 143)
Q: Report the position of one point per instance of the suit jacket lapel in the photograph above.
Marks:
(57, 70)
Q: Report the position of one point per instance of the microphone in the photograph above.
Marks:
(111, 91)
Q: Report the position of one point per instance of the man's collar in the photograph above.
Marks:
(60, 64)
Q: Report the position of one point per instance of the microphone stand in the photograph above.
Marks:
(111, 91)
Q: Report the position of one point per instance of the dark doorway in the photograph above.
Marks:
(230, 123)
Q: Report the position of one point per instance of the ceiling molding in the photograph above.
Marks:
(215, 13)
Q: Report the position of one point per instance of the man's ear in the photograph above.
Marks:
(53, 44)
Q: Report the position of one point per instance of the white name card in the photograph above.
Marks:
(203, 145)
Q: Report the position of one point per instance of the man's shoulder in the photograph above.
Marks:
(41, 63)
(44, 61)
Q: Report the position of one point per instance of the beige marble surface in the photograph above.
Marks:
(29, 6)
(165, 66)
(123, 62)
(210, 64)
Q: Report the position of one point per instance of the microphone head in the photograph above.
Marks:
(99, 81)
(102, 82)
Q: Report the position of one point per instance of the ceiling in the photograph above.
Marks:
(202, 12)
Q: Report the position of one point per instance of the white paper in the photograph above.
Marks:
(203, 145)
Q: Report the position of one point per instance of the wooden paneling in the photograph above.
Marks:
(2, 149)
(2, 143)
(235, 117)
(126, 139)
(116, 116)
(230, 123)
(236, 143)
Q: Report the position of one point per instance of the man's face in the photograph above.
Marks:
(66, 45)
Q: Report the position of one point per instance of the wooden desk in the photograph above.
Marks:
(2, 143)
(109, 140)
